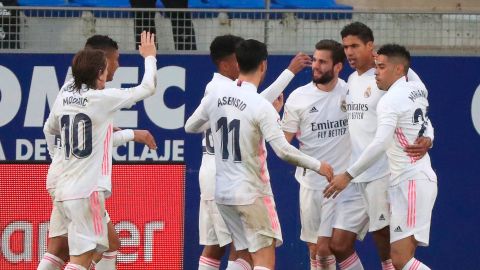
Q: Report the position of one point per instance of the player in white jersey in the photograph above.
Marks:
(402, 118)
(363, 206)
(316, 115)
(241, 120)
(83, 117)
(57, 247)
(214, 234)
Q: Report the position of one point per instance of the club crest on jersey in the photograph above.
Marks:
(343, 106)
(367, 92)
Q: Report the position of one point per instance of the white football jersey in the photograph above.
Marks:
(362, 98)
(320, 122)
(84, 120)
(207, 168)
(241, 120)
(405, 107)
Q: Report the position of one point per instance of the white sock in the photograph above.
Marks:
(206, 263)
(260, 268)
(72, 266)
(313, 264)
(50, 262)
(351, 263)
(326, 263)
(92, 266)
(108, 261)
(238, 264)
(387, 265)
(415, 264)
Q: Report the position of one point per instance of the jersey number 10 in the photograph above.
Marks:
(82, 124)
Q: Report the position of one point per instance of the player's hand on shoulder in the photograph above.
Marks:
(145, 137)
(419, 148)
(299, 62)
(147, 44)
(338, 183)
(278, 103)
(326, 170)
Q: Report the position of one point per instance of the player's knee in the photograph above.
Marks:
(339, 247)
(323, 248)
(58, 246)
(213, 252)
(114, 243)
(398, 259)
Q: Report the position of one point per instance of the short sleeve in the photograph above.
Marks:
(291, 119)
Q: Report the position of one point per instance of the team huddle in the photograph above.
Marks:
(362, 162)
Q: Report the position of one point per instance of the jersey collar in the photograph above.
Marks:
(220, 77)
(246, 85)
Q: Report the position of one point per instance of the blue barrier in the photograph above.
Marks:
(455, 154)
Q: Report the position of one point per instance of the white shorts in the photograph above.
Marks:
(58, 222)
(253, 226)
(86, 223)
(213, 230)
(411, 205)
(363, 207)
(316, 215)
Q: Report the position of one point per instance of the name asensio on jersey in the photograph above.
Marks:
(80, 101)
(235, 102)
(417, 94)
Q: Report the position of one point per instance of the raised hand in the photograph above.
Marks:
(278, 103)
(299, 62)
(147, 44)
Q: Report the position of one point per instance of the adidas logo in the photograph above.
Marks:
(313, 110)
(398, 229)
(381, 217)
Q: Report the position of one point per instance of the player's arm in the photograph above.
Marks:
(51, 128)
(299, 62)
(125, 98)
(121, 137)
(387, 121)
(270, 128)
(198, 122)
(290, 121)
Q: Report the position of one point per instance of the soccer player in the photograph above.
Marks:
(83, 116)
(214, 234)
(363, 206)
(402, 118)
(241, 120)
(316, 115)
(57, 247)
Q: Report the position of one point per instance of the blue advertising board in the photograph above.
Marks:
(29, 83)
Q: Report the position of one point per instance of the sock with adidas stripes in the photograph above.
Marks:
(415, 264)
(50, 262)
(206, 263)
(351, 263)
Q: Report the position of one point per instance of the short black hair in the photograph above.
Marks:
(250, 54)
(223, 46)
(358, 29)
(396, 51)
(338, 53)
(101, 42)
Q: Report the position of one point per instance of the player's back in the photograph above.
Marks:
(236, 112)
(85, 121)
(409, 101)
